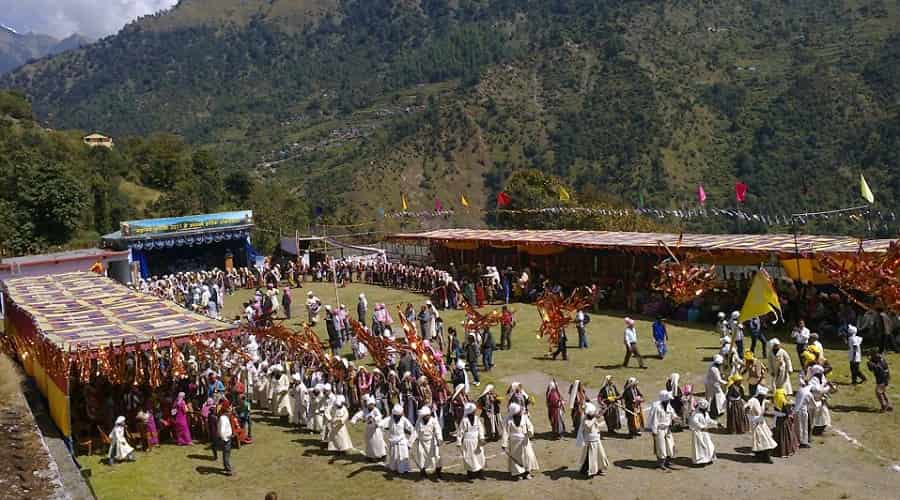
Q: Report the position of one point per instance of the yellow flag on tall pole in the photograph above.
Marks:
(463, 200)
(403, 202)
(864, 189)
(761, 299)
(563, 194)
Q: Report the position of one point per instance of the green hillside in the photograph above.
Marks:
(351, 102)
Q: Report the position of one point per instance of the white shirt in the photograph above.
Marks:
(225, 432)
(579, 318)
(855, 352)
(630, 335)
(801, 336)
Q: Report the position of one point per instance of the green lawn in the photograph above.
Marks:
(293, 464)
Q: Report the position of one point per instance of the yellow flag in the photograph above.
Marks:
(864, 190)
(463, 200)
(563, 194)
(761, 299)
(403, 201)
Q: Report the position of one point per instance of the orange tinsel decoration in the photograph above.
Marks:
(477, 322)
(682, 280)
(415, 345)
(556, 312)
(877, 276)
(377, 345)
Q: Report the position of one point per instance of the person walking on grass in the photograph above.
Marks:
(581, 320)
(660, 336)
(631, 348)
(507, 322)
(879, 367)
(225, 434)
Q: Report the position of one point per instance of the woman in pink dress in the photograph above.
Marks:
(182, 429)
(152, 431)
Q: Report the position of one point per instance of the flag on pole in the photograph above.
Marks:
(437, 205)
(641, 199)
(403, 202)
(864, 190)
(701, 194)
(740, 191)
(761, 298)
(463, 200)
(563, 194)
(503, 199)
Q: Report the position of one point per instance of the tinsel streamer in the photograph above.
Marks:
(875, 276)
(477, 322)
(557, 313)
(417, 347)
(154, 374)
(682, 280)
(177, 370)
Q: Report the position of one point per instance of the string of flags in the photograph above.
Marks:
(504, 200)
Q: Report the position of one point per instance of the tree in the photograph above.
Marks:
(54, 199)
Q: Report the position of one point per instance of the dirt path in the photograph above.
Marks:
(26, 469)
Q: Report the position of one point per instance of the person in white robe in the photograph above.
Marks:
(262, 385)
(399, 430)
(782, 368)
(325, 408)
(660, 420)
(375, 449)
(804, 408)
(516, 443)
(301, 402)
(699, 423)
(715, 392)
(820, 387)
(272, 375)
(470, 440)
(281, 400)
(763, 443)
(316, 408)
(593, 459)
(119, 449)
(339, 436)
(426, 449)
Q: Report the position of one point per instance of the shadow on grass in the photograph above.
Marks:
(616, 435)
(349, 458)
(309, 441)
(547, 436)
(610, 367)
(561, 472)
(739, 458)
(744, 449)
(201, 457)
(205, 470)
(853, 408)
(707, 348)
(635, 464)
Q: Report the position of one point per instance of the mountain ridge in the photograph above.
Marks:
(625, 101)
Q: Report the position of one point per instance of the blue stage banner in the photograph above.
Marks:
(187, 223)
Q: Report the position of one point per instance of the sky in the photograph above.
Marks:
(61, 18)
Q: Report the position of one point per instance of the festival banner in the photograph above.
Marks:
(186, 223)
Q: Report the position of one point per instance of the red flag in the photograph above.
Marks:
(740, 191)
(437, 205)
(503, 199)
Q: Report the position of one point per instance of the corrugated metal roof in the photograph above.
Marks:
(782, 244)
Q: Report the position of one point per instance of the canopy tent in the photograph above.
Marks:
(718, 246)
(48, 318)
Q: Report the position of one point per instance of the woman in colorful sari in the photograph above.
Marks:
(182, 429)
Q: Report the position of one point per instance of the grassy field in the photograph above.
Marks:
(295, 466)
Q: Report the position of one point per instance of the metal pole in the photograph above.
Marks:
(337, 295)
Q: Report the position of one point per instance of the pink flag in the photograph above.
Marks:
(740, 191)
(701, 194)
(437, 205)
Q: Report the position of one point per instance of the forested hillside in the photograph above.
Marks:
(348, 103)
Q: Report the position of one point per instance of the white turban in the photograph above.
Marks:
(514, 409)
(761, 390)
(469, 408)
(665, 395)
(423, 411)
(397, 410)
(590, 409)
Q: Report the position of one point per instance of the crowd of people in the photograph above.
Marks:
(407, 416)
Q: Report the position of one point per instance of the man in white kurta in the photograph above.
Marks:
(426, 449)
(261, 386)
(119, 449)
(375, 449)
(325, 408)
(470, 440)
(804, 406)
(593, 459)
(281, 401)
(715, 392)
(316, 405)
(398, 431)
(819, 387)
(339, 436)
(301, 402)
(699, 423)
(763, 444)
(516, 442)
(660, 422)
(781, 372)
